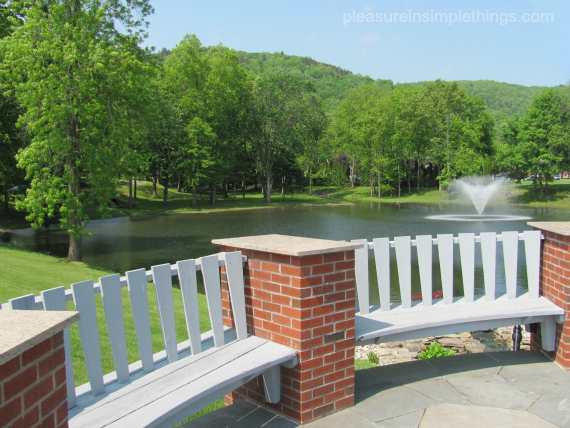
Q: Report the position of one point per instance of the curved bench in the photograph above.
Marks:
(165, 388)
(407, 320)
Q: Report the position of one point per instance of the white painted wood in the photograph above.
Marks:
(532, 247)
(163, 289)
(234, 274)
(460, 313)
(155, 397)
(424, 244)
(361, 274)
(113, 307)
(84, 301)
(54, 300)
(467, 252)
(136, 282)
(510, 255)
(382, 259)
(272, 383)
(188, 286)
(23, 303)
(404, 258)
(445, 250)
(489, 256)
(211, 276)
(548, 334)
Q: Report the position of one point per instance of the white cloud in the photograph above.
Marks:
(370, 38)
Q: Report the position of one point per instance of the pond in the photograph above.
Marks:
(122, 244)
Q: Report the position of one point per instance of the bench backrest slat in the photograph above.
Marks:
(424, 247)
(403, 246)
(489, 256)
(467, 252)
(136, 282)
(189, 290)
(23, 303)
(54, 300)
(382, 258)
(532, 254)
(113, 307)
(361, 273)
(511, 256)
(163, 288)
(211, 276)
(234, 273)
(445, 250)
(84, 301)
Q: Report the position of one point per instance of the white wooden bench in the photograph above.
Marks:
(409, 319)
(165, 388)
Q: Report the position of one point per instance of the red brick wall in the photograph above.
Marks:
(307, 303)
(555, 286)
(32, 387)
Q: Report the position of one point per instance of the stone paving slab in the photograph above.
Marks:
(493, 391)
(439, 389)
(513, 389)
(448, 415)
(553, 409)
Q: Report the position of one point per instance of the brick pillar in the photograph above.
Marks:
(555, 284)
(300, 292)
(32, 384)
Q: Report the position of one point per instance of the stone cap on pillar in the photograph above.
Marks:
(559, 227)
(287, 245)
(22, 330)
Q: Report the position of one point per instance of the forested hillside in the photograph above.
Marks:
(504, 100)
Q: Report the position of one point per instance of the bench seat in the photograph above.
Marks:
(425, 321)
(169, 395)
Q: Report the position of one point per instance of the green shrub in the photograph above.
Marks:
(373, 358)
(435, 350)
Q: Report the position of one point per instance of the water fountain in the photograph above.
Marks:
(479, 190)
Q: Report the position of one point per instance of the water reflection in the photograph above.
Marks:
(123, 244)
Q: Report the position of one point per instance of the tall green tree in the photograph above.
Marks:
(78, 78)
(280, 105)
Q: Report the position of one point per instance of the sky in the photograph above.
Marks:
(401, 40)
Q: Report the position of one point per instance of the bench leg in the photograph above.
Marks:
(272, 382)
(517, 337)
(548, 333)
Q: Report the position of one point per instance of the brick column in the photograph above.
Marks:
(555, 284)
(300, 292)
(32, 376)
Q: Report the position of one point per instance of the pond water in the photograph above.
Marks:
(122, 244)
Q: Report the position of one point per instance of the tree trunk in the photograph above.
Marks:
(379, 185)
(131, 193)
(235, 189)
(310, 182)
(154, 183)
(448, 157)
(541, 186)
(352, 173)
(268, 185)
(371, 183)
(179, 185)
(225, 189)
(243, 189)
(399, 182)
(135, 188)
(409, 179)
(165, 194)
(6, 200)
(194, 197)
(213, 194)
(418, 174)
(74, 187)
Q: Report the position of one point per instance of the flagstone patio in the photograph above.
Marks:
(497, 389)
